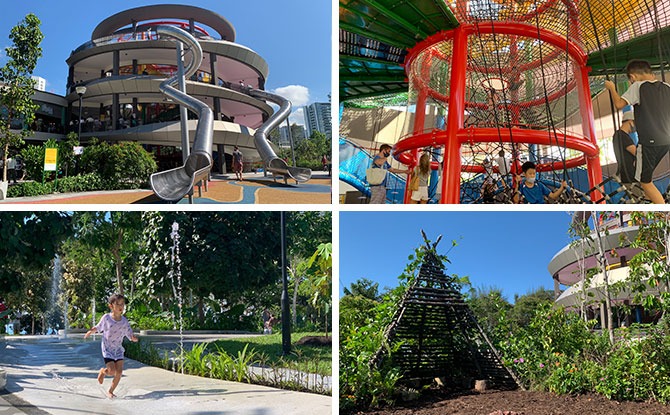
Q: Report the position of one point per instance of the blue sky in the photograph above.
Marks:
(294, 37)
(508, 250)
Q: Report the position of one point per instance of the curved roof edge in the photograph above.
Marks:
(566, 256)
(162, 11)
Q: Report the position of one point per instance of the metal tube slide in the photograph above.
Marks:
(173, 185)
(275, 164)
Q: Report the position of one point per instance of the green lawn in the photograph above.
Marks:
(310, 359)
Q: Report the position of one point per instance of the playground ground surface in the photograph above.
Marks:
(523, 403)
(222, 189)
(50, 375)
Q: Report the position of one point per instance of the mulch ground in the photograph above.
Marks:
(524, 403)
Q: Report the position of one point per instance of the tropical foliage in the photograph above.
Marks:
(17, 108)
(229, 263)
(549, 348)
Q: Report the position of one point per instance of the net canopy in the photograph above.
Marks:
(611, 32)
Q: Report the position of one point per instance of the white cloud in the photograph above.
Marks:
(297, 94)
(297, 117)
(299, 97)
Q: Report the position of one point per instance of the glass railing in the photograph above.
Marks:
(142, 36)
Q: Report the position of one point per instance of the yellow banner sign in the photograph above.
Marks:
(50, 159)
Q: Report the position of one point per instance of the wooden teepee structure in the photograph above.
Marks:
(439, 335)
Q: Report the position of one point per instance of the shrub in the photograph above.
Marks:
(558, 352)
(28, 189)
(33, 162)
(363, 385)
(81, 183)
(121, 166)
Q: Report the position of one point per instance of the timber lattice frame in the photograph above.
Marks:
(439, 336)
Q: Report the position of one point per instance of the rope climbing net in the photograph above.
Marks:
(518, 76)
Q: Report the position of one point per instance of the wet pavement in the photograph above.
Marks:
(58, 376)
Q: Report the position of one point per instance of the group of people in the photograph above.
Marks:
(645, 129)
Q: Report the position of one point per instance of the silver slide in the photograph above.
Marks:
(273, 163)
(173, 185)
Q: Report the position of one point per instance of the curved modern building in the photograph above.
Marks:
(566, 268)
(125, 61)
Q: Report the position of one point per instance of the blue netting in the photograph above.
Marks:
(354, 161)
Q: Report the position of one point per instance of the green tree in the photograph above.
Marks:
(320, 279)
(358, 302)
(602, 262)
(113, 235)
(30, 240)
(224, 255)
(17, 86)
(308, 152)
(66, 157)
(85, 279)
(33, 295)
(306, 230)
(650, 268)
(363, 287)
(525, 306)
(297, 271)
(582, 245)
(489, 306)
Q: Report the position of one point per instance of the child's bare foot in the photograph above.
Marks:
(110, 395)
(101, 376)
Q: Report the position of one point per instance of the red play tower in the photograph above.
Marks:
(511, 77)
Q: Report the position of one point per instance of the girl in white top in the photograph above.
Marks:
(114, 327)
(423, 172)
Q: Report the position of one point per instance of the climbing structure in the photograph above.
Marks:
(511, 77)
(438, 334)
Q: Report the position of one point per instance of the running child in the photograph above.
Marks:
(114, 327)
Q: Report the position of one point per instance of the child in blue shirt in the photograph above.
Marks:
(534, 192)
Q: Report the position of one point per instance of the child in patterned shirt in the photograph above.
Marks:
(114, 327)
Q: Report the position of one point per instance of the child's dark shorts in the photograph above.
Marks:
(107, 360)
(651, 157)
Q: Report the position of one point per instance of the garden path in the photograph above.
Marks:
(58, 376)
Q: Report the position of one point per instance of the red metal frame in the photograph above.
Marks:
(406, 150)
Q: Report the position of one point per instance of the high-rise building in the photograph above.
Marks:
(40, 83)
(317, 118)
(284, 140)
(297, 133)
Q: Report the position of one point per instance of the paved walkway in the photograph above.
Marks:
(223, 189)
(58, 376)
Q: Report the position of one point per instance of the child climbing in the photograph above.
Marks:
(651, 100)
(114, 327)
(534, 192)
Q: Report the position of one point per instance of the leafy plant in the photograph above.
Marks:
(18, 108)
(197, 361)
(120, 166)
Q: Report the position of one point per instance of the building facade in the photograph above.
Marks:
(40, 83)
(123, 64)
(317, 118)
(570, 265)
